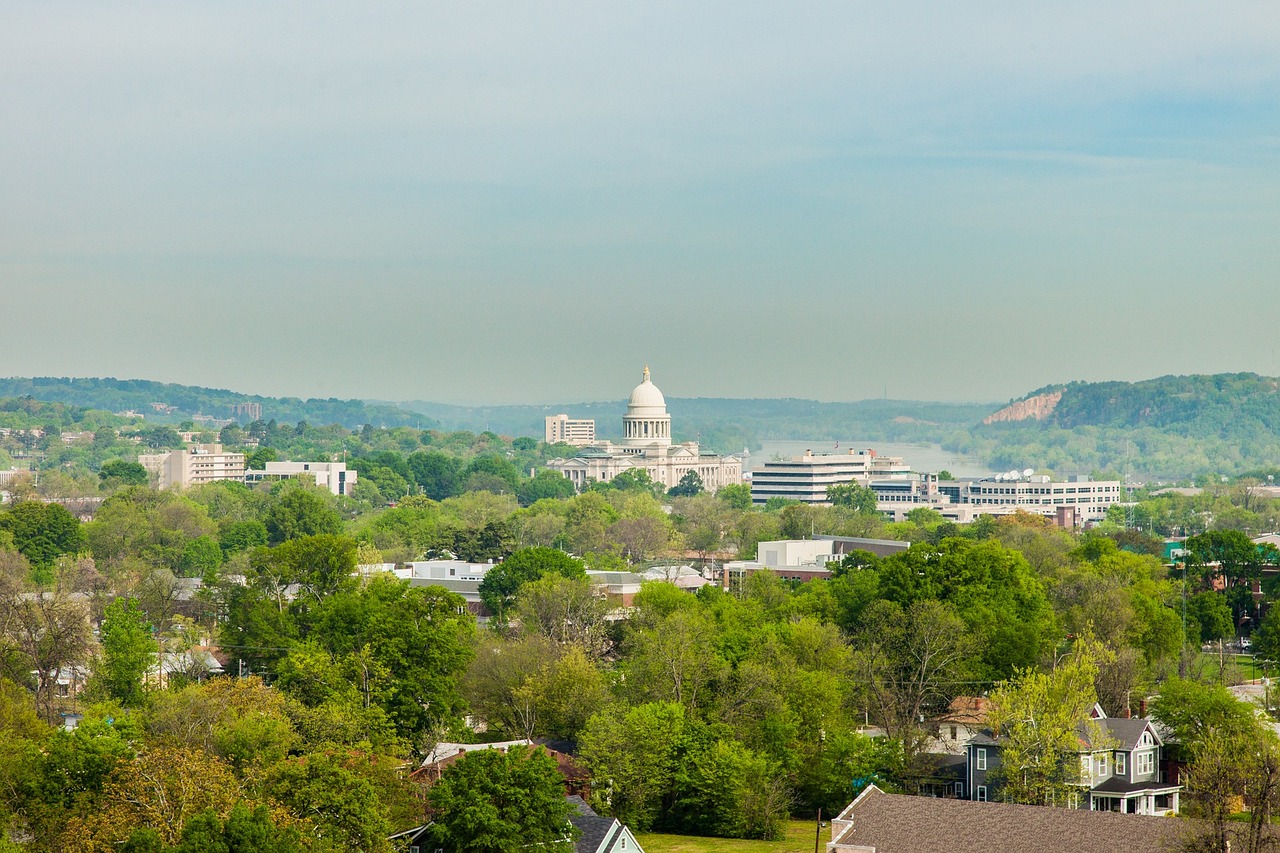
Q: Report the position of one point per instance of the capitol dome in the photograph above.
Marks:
(647, 396)
(646, 421)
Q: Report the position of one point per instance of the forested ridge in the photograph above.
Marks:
(1172, 428)
(138, 395)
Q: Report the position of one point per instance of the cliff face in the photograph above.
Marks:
(1037, 408)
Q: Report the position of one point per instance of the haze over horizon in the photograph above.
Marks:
(527, 204)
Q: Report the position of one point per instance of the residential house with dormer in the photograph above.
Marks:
(1120, 767)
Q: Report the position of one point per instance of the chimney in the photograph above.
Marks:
(1142, 709)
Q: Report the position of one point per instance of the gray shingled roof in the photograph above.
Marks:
(594, 829)
(1126, 731)
(896, 823)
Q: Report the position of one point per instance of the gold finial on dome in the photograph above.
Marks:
(646, 373)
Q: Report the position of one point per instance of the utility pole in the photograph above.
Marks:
(817, 832)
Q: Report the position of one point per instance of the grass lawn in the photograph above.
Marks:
(1249, 668)
(798, 839)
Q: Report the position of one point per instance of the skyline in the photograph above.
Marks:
(474, 207)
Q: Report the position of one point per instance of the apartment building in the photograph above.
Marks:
(200, 463)
(562, 429)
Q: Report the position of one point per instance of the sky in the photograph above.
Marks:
(528, 202)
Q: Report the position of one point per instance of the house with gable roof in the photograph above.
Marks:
(1120, 768)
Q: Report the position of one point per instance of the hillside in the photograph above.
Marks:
(170, 403)
(1170, 427)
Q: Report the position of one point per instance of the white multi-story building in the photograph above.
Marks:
(201, 463)
(646, 445)
(333, 476)
(562, 429)
(806, 478)
(962, 500)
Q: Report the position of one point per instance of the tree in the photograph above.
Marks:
(908, 664)
(503, 581)
(301, 511)
(244, 831)
(436, 474)
(1210, 612)
(1037, 718)
(49, 629)
(128, 652)
(736, 495)
(489, 801)
(1266, 640)
(42, 532)
(545, 484)
(861, 498)
(119, 472)
(690, 484)
(633, 756)
(343, 805)
(566, 611)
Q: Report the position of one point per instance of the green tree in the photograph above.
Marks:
(503, 581)
(1266, 639)
(245, 831)
(736, 495)
(129, 651)
(119, 472)
(1209, 611)
(490, 801)
(544, 484)
(690, 484)
(437, 474)
(1037, 716)
(42, 532)
(201, 558)
(860, 498)
(300, 511)
(343, 804)
(633, 754)
(257, 459)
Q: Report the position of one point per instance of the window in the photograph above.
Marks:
(1086, 766)
(982, 793)
(959, 789)
(953, 732)
(1102, 765)
(1144, 762)
(981, 760)
(1119, 763)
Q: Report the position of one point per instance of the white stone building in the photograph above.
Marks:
(333, 476)
(646, 445)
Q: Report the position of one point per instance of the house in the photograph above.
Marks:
(965, 719)
(598, 834)
(1120, 767)
(877, 822)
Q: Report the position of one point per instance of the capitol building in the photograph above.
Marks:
(646, 444)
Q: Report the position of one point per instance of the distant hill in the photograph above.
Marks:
(170, 403)
(728, 425)
(1170, 427)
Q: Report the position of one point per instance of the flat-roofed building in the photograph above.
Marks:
(562, 429)
(333, 476)
(200, 463)
(806, 478)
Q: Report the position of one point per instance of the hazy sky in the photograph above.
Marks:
(512, 202)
